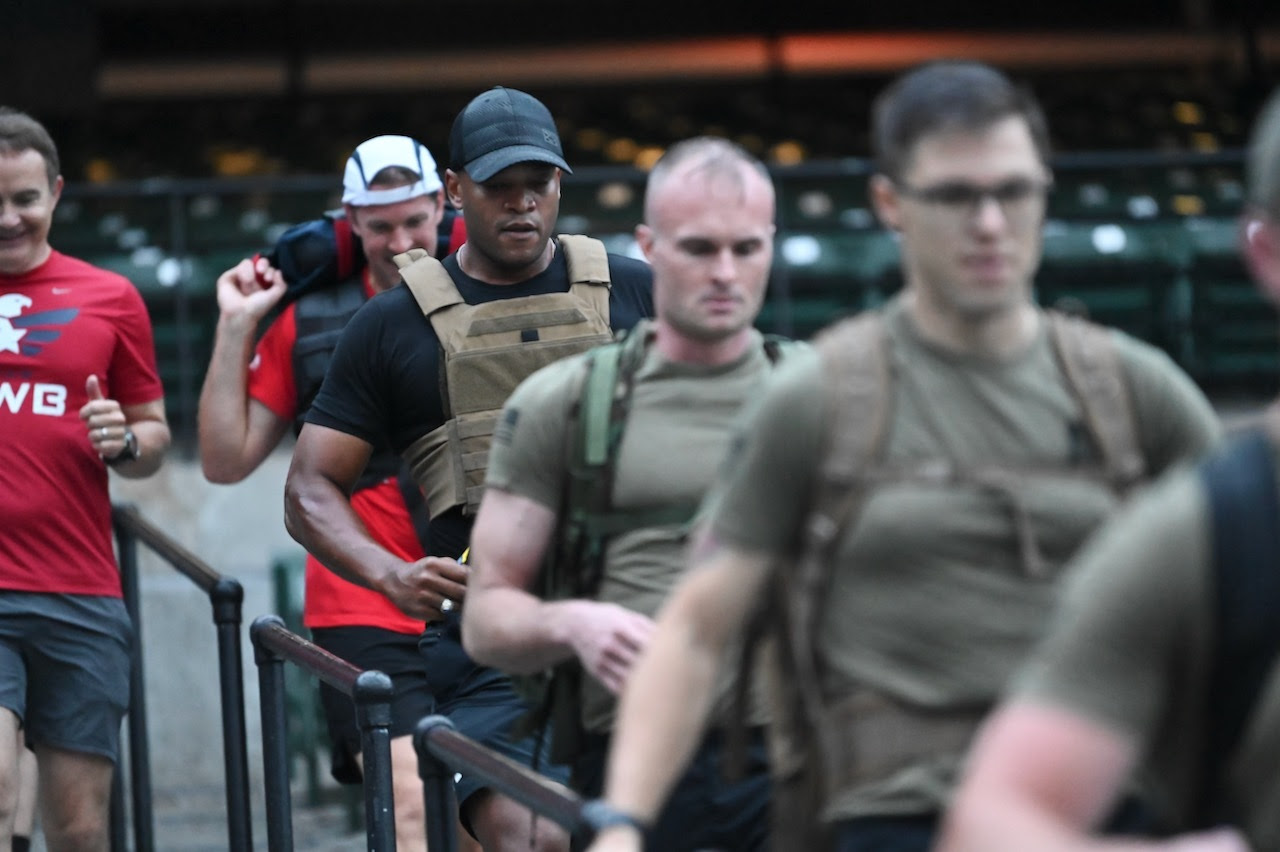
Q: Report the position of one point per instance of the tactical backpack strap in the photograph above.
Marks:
(603, 410)
(575, 566)
(1092, 366)
(857, 401)
(803, 740)
(319, 318)
(428, 280)
(1240, 483)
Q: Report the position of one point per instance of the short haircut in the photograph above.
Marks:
(712, 155)
(1262, 167)
(947, 95)
(20, 132)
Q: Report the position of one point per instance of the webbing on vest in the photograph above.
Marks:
(817, 741)
(1240, 483)
(487, 350)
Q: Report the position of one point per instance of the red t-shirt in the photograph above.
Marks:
(329, 600)
(60, 323)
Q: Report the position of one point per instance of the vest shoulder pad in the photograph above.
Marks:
(428, 280)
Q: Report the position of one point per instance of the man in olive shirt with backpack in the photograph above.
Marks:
(904, 498)
(1163, 654)
(598, 466)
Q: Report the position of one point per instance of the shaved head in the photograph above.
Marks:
(706, 158)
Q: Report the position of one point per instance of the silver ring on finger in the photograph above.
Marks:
(103, 432)
(447, 605)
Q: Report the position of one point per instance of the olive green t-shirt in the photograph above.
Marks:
(929, 603)
(1132, 647)
(678, 429)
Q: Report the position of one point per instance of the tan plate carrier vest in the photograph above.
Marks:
(488, 349)
(819, 744)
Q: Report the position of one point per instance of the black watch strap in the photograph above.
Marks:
(130, 451)
(600, 815)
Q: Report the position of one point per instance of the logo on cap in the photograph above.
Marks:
(500, 128)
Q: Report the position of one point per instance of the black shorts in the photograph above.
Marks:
(481, 704)
(395, 655)
(704, 810)
(65, 662)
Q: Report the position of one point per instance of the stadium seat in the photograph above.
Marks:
(1123, 275)
(1235, 331)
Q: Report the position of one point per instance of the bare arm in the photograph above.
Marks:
(236, 432)
(318, 514)
(667, 701)
(1042, 778)
(507, 626)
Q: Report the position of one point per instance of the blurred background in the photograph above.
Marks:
(193, 132)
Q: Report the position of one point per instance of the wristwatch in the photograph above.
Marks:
(130, 451)
(600, 815)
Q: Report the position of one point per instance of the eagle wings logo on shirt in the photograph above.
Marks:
(26, 334)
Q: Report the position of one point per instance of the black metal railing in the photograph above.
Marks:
(442, 751)
(274, 645)
(226, 596)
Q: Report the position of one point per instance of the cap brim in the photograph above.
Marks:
(487, 165)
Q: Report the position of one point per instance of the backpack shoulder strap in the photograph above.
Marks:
(1240, 484)
(574, 567)
(428, 280)
(1088, 356)
(857, 402)
(855, 357)
(596, 405)
(595, 431)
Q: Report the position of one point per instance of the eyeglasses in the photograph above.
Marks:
(1016, 197)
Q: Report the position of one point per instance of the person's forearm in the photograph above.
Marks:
(661, 718)
(223, 421)
(153, 442)
(319, 517)
(515, 631)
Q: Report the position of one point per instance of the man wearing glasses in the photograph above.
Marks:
(903, 499)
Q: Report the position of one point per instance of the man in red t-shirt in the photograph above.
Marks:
(79, 393)
(252, 395)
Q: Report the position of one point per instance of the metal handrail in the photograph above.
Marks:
(442, 751)
(226, 596)
(371, 690)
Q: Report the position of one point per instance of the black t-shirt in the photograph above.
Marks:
(383, 383)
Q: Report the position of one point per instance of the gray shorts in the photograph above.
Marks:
(64, 668)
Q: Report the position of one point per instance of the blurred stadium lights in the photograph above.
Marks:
(703, 59)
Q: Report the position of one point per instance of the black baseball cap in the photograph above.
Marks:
(500, 128)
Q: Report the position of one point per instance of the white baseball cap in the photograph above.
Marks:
(374, 155)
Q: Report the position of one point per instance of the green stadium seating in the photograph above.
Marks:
(824, 276)
(1123, 275)
(1235, 330)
